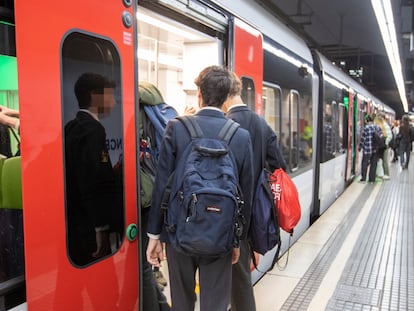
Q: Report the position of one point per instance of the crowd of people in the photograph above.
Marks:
(226, 278)
(398, 138)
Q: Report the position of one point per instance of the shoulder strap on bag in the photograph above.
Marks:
(192, 126)
(226, 132)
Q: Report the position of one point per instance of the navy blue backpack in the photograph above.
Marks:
(264, 223)
(202, 213)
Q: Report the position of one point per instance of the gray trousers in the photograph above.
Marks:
(214, 281)
(242, 296)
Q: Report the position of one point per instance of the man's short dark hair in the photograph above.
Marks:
(88, 83)
(236, 85)
(214, 83)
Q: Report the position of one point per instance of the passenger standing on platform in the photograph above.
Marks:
(394, 146)
(153, 281)
(90, 179)
(215, 273)
(381, 122)
(265, 153)
(369, 156)
(406, 137)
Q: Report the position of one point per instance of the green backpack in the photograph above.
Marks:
(154, 115)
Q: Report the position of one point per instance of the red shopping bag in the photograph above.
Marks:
(286, 199)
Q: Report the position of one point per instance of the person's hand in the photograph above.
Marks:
(189, 110)
(102, 244)
(154, 252)
(9, 120)
(9, 112)
(236, 255)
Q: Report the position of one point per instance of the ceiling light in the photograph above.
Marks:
(166, 26)
(383, 12)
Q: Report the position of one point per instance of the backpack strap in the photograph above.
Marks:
(228, 130)
(192, 126)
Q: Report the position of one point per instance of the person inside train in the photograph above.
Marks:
(265, 153)
(9, 119)
(405, 137)
(153, 281)
(369, 154)
(215, 273)
(90, 179)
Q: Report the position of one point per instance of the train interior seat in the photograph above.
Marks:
(11, 183)
(11, 229)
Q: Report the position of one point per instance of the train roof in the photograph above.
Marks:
(347, 81)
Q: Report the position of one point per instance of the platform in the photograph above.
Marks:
(359, 255)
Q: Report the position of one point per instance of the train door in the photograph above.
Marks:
(248, 63)
(351, 137)
(63, 48)
(361, 106)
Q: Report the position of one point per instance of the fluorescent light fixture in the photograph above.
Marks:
(168, 27)
(335, 82)
(362, 97)
(163, 59)
(384, 14)
(289, 58)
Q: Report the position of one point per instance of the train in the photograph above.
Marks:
(316, 110)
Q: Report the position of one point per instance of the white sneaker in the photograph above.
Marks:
(385, 177)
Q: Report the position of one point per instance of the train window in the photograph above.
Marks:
(248, 94)
(171, 55)
(93, 145)
(295, 105)
(272, 99)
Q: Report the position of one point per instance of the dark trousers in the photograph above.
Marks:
(371, 161)
(214, 280)
(152, 297)
(242, 296)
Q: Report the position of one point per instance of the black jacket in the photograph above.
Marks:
(266, 152)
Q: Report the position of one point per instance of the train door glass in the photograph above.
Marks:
(171, 55)
(248, 94)
(335, 127)
(361, 117)
(93, 143)
(342, 129)
(272, 99)
(293, 138)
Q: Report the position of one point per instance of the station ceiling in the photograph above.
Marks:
(347, 33)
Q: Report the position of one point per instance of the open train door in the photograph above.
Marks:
(352, 148)
(247, 60)
(57, 41)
